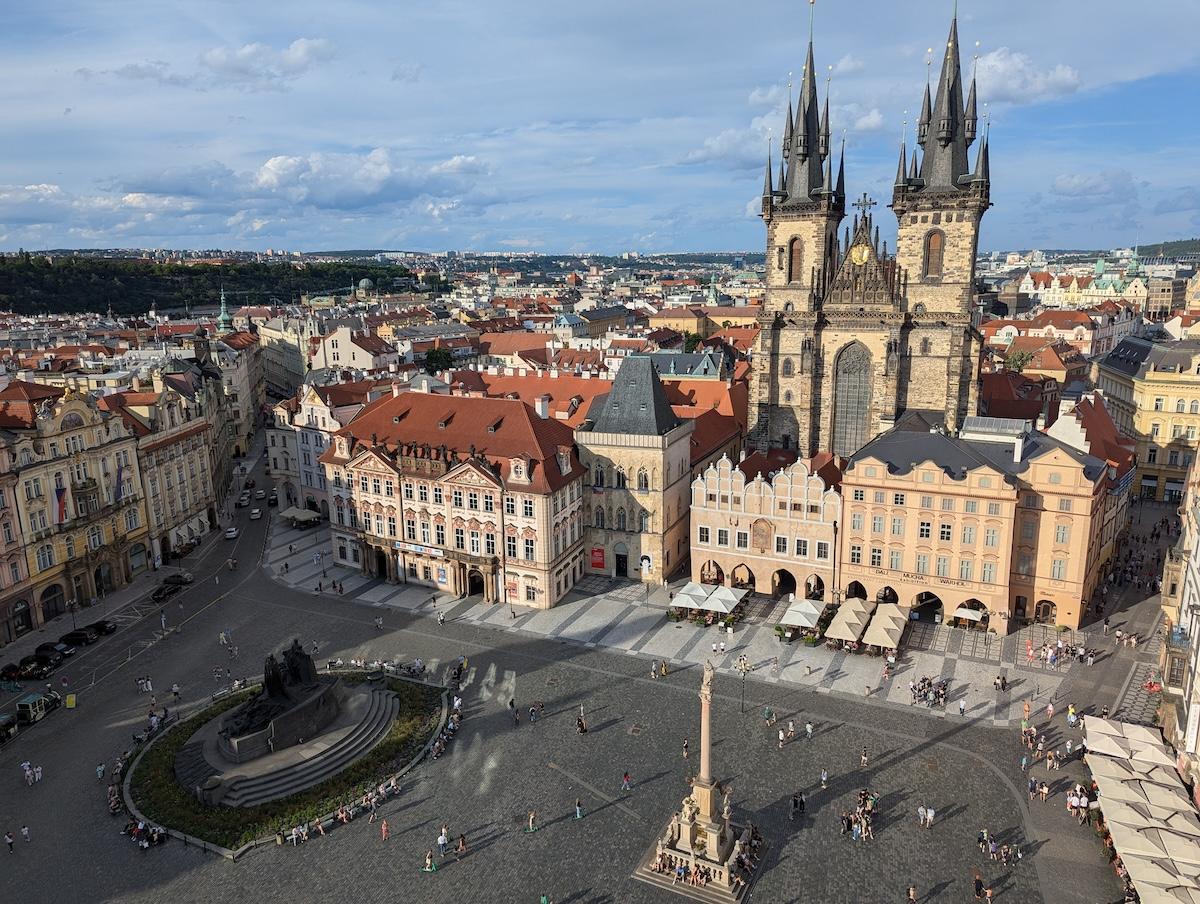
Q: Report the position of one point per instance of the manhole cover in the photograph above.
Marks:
(636, 729)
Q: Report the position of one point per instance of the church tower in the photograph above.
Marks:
(938, 205)
(802, 215)
(851, 337)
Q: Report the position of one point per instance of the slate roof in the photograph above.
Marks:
(637, 404)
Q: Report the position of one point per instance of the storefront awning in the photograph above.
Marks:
(1175, 485)
(1149, 478)
(969, 614)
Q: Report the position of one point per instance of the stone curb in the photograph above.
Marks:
(234, 855)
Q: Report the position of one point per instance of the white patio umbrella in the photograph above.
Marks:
(802, 614)
(1097, 725)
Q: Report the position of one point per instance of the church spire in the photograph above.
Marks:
(808, 145)
(945, 161)
(902, 167)
(840, 191)
(983, 166)
(971, 117)
(224, 321)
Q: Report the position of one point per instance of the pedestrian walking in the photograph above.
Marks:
(808, 730)
(1106, 627)
(441, 619)
(781, 736)
(100, 772)
(175, 693)
(862, 760)
(714, 646)
(722, 646)
(685, 748)
(791, 729)
(25, 834)
(802, 803)
(921, 815)
(654, 669)
(912, 894)
(625, 781)
(929, 814)
(385, 831)
(578, 808)
(37, 773)
(795, 808)
(532, 825)
(1024, 762)
(8, 839)
(824, 779)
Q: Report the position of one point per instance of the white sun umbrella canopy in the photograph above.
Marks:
(692, 589)
(1127, 770)
(1160, 871)
(850, 621)
(1096, 725)
(727, 595)
(692, 596)
(886, 627)
(1175, 894)
(802, 614)
(1155, 755)
(1108, 745)
(1155, 842)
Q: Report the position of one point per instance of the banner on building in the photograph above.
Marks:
(60, 508)
(597, 556)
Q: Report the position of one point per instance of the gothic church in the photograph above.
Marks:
(852, 336)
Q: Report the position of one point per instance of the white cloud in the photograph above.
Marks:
(407, 72)
(770, 96)
(259, 66)
(871, 121)
(1011, 76)
(848, 64)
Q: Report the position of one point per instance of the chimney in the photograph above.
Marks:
(396, 389)
(542, 406)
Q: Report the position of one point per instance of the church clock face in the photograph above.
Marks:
(859, 255)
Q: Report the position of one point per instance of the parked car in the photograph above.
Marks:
(80, 637)
(164, 591)
(184, 577)
(260, 494)
(52, 656)
(104, 626)
(243, 500)
(10, 671)
(273, 500)
(255, 514)
(36, 666)
(231, 533)
(60, 648)
(8, 727)
(35, 707)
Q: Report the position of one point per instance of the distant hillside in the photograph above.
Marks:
(33, 285)
(1171, 249)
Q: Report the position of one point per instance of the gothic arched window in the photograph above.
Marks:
(599, 478)
(600, 518)
(644, 522)
(926, 347)
(620, 519)
(795, 260)
(788, 370)
(935, 253)
(852, 399)
(643, 480)
(619, 479)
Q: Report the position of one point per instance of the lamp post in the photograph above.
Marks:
(71, 607)
(744, 668)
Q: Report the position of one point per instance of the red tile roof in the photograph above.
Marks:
(499, 430)
(499, 344)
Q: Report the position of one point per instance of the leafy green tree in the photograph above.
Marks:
(690, 341)
(1018, 361)
(437, 359)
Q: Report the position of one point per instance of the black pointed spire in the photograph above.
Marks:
(902, 167)
(945, 161)
(827, 184)
(805, 176)
(923, 122)
(914, 172)
(768, 188)
(983, 165)
(785, 147)
(782, 179)
(970, 117)
(824, 142)
(840, 190)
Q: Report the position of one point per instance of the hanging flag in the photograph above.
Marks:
(120, 488)
(60, 511)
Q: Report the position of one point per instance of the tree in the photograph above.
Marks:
(1018, 361)
(690, 341)
(437, 359)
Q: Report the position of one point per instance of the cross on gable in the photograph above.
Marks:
(864, 204)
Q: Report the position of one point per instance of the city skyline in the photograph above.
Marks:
(559, 130)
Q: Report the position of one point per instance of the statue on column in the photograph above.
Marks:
(706, 684)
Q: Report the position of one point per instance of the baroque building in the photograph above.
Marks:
(851, 337)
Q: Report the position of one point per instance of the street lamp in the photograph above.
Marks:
(71, 607)
(744, 668)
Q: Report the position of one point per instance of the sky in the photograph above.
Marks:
(543, 125)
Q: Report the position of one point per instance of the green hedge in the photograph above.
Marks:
(164, 801)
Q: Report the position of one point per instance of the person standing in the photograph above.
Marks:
(685, 749)
(795, 808)
(791, 730)
(175, 693)
(37, 773)
(808, 730)
(25, 834)
(100, 772)
(8, 839)
(929, 814)
(578, 808)
(962, 706)
(862, 760)
(912, 895)
(441, 619)
(384, 831)
(781, 736)
(921, 815)
(625, 781)
(442, 841)
(824, 779)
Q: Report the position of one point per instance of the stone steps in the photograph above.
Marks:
(192, 769)
(382, 711)
(710, 893)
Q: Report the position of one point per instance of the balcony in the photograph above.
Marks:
(87, 485)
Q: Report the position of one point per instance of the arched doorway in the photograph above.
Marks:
(325, 509)
(887, 595)
(53, 602)
(138, 558)
(928, 607)
(742, 578)
(310, 503)
(971, 614)
(1045, 612)
(856, 591)
(711, 573)
(621, 560)
(474, 582)
(22, 618)
(102, 578)
(814, 588)
(381, 560)
(782, 582)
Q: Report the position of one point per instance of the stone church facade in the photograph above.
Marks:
(853, 336)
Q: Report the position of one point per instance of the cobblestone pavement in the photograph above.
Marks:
(579, 654)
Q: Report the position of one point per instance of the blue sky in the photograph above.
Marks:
(562, 126)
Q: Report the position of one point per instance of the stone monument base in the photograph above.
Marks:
(718, 891)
